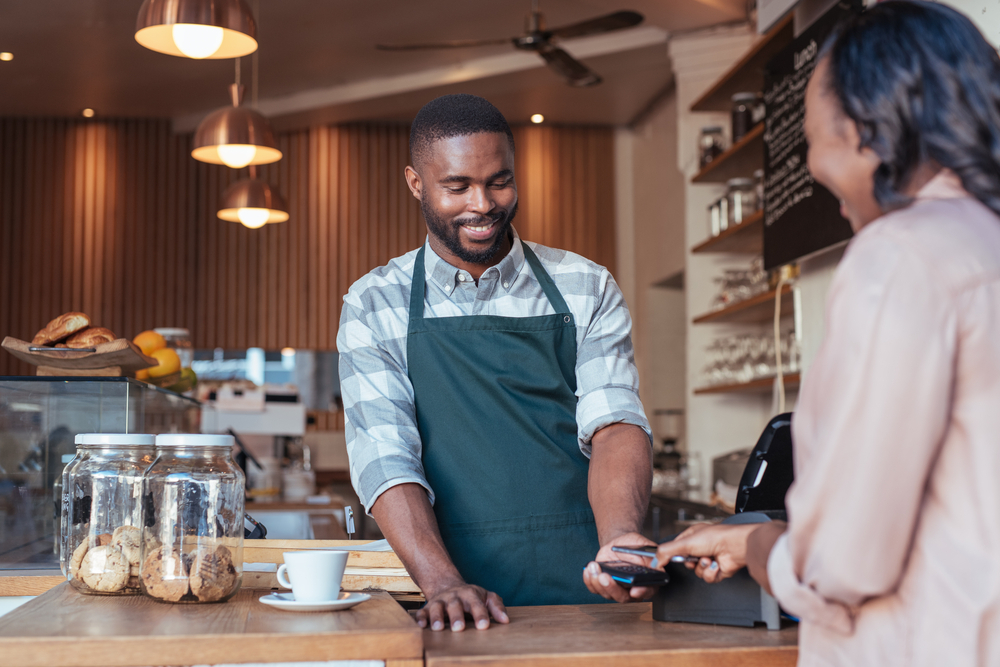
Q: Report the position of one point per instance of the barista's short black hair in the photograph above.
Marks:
(454, 116)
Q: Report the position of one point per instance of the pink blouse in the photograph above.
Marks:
(893, 551)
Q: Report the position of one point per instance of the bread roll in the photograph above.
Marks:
(90, 337)
(63, 326)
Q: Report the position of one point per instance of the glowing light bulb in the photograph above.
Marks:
(6, 56)
(237, 156)
(254, 218)
(197, 41)
(537, 118)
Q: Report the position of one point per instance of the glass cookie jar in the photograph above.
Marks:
(102, 512)
(192, 541)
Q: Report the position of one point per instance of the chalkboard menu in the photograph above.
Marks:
(800, 215)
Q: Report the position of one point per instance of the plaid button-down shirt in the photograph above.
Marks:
(383, 442)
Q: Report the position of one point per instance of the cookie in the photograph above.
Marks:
(103, 539)
(128, 538)
(104, 569)
(213, 575)
(165, 575)
(77, 559)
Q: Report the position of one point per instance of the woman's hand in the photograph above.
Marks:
(722, 550)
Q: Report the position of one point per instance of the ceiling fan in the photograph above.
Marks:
(539, 39)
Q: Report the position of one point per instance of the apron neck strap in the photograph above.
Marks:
(548, 285)
(418, 285)
(417, 288)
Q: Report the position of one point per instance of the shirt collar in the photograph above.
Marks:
(444, 274)
(945, 185)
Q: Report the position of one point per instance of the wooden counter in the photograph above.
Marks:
(608, 635)
(66, 629)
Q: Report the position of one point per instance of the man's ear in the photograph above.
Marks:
(413, 182)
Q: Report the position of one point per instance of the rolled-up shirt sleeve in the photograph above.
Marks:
(383, 442)
(607, 383)
(871, 418)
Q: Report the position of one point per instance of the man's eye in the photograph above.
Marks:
(500, 184)
(459, 189)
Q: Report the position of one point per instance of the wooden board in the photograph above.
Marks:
(355, 582)
(66, 629)
(608, 635)
(270, 551)
(28, 584)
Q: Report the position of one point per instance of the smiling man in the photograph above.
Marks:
(493, 420)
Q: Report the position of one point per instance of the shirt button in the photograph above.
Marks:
(461, 277)
(506, 285)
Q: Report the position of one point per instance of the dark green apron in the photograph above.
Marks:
(496, 409)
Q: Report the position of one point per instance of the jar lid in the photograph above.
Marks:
(712, 128)
(194, 440)
(172, 331)
(116, 439)
(746, 97)
(740, 183)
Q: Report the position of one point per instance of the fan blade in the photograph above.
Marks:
(608, 23)
(575, 72)
(453, 44)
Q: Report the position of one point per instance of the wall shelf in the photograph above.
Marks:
(740, 160)
(755, 310)
(745, 238)
(764, 385)
(747, 75)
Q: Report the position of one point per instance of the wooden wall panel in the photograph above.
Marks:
(115, 218)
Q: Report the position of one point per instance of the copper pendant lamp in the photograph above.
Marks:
(235, 136)
(253, 203)
(197, 28)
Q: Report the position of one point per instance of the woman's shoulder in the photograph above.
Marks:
(957, 240)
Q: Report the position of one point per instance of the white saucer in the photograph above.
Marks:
(287, 602)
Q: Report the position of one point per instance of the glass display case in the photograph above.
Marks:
(39, 419)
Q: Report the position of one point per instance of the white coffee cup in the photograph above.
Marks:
(313, 576)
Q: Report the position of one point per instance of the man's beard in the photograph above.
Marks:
(448, 232)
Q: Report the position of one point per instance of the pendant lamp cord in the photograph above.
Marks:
(779, 380)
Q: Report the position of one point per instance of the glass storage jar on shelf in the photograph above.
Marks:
(741, 194)
(711, 144)
(747, 111)
(102, 512)
(193, 499)
(180, 341)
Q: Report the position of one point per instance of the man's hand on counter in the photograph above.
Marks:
(602, 583)
(407, 520)
(457, 600)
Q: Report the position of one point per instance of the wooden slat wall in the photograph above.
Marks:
(115, 218)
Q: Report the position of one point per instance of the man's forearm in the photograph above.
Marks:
(407, 520)
(620, 478)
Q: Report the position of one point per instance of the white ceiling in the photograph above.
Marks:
(318, 62)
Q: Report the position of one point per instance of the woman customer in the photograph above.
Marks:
(891, 555)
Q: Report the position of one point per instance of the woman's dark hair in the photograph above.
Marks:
(921, 83)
